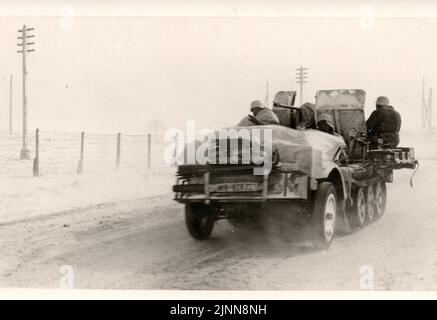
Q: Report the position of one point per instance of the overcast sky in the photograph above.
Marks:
(108, 74)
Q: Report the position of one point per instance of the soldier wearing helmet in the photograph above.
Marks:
(261, 114)
(325, 124)
(384, 124)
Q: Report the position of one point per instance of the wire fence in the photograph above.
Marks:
(77, 153)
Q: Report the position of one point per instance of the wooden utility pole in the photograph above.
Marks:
(430, 109)
(426, 108)
(267, 95)
(10, 105)
(25, 48)
(423, 103)
(301, 77)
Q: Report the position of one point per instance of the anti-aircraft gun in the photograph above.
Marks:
(328, 182)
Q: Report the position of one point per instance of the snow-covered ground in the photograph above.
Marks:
(25, 197)
(59, 187)
(424, 143)
(112, 239)
(144, 244)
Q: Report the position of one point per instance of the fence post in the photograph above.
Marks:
(118, 150)
(149, 149)
(82, 143)
(36, 160)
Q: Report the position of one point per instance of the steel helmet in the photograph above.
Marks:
(382, 101)
(256, 104)
(327, 118)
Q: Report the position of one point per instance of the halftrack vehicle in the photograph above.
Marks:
(332, 183)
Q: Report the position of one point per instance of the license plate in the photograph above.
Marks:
(235, 187)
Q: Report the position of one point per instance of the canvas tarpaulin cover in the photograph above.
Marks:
(309, 151)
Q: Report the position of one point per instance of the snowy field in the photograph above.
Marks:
(424, 143)
(59, 187)
(123, 231)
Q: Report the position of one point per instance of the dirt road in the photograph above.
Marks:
(143, 244)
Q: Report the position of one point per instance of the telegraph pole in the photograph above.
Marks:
(423, 103)
(426, 108)
(266, 104)
(301, 77)
(10, 105)
(25, 48)
(430, 109)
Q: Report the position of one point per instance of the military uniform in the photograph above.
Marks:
(267, 116)
(325, 118)
(384, 123)
(262, 115)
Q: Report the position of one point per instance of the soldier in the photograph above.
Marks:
(307, 111)
(262, 115)
(384, 123)
(325, 124)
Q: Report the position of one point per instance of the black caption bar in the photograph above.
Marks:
(213, 309)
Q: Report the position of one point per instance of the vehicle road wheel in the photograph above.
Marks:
(380, 199)
(324, 215)
(200, 220)
(370, 203)
(359, 208)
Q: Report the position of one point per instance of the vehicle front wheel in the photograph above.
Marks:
(200, 220)
(324, 215)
